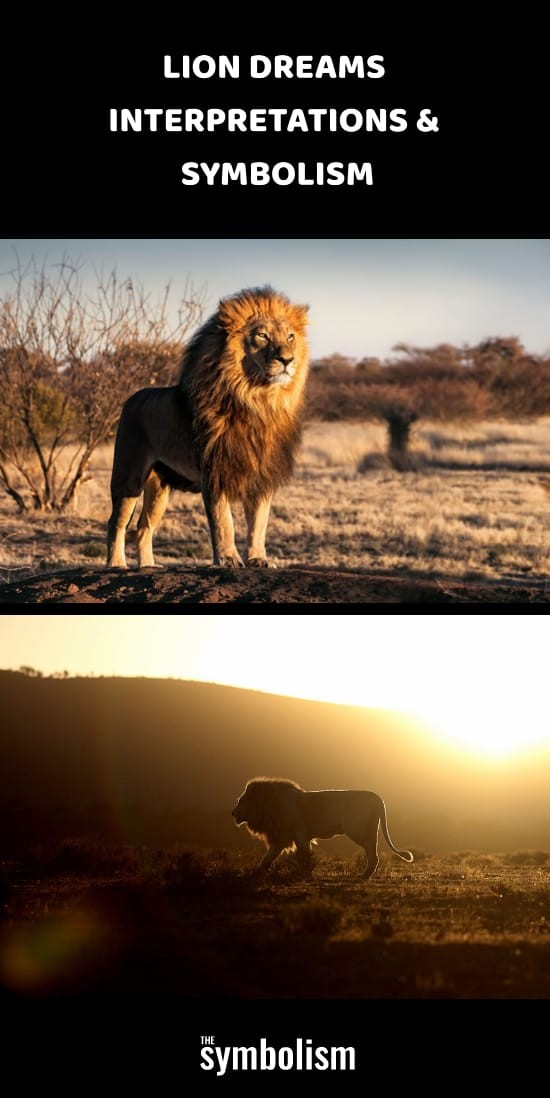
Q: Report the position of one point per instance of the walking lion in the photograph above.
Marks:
(287, 817)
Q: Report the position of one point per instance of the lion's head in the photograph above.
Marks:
(265, 337)
(254, 346)
(267, 808)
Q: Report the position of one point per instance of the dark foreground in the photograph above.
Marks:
(208, 585)
(202, 926)
(117, 969)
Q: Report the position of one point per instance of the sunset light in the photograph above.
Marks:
(490, 729)
(131, 752)
(477, 682)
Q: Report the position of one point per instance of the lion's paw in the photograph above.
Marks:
(231, 561)
(259, 563)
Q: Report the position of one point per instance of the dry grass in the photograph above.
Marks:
(461, 925)
(476, 505)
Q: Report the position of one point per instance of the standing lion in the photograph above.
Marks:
(228, 430)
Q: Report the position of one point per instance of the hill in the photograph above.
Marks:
(157, 761)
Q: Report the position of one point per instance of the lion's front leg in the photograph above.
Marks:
(304, 853)
(270, 856)
(123, 510)
(222, 531)
(257, 518)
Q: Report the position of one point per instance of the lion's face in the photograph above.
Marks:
(266, 806)
(239, 812)
(270, 350)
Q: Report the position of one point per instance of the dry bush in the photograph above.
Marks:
(69, 357)
(401, 400)
(496, 378)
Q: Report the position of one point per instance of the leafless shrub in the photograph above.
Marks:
(69, 357)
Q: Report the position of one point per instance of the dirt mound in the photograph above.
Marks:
(270, 586)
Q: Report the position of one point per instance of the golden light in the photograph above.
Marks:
(490, 728)
(478, 681)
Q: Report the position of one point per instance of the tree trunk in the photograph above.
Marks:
(79, 477)
(12, 491)
(399, 431)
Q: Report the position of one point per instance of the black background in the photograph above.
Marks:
(482, 175)
(151, 1047)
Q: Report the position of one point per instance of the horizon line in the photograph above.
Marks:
(59, 676)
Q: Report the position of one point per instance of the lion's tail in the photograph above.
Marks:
(407, 856)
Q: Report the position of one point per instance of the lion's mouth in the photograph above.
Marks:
(279, 374)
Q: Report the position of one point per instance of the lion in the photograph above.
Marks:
(286, 817)
(229, 429)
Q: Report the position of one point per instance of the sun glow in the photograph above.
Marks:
(490, 729)
(479, 682)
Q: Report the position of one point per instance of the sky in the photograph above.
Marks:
(481, 679)
(365, 294)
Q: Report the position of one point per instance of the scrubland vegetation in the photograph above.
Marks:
(477, 504)
(85, 917)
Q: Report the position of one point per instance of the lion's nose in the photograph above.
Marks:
(286, 360)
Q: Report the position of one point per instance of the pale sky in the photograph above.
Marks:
(470, 674)
(366, 294)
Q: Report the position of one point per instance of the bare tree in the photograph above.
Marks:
(69, 357)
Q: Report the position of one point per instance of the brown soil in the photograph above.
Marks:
(203, 584)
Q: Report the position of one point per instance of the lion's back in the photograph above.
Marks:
(330, 813)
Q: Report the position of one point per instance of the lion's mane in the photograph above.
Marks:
(245, 434)
(272, 809)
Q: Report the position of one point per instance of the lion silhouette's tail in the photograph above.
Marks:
(407, 856)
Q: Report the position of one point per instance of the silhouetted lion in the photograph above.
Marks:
(285, 816)
(229, 429)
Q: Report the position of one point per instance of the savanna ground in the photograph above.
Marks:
(83, 918)
(476, 509)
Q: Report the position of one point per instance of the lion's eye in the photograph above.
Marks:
(262, 336)
(290, 337)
